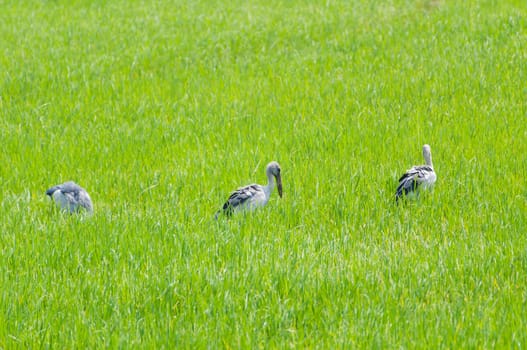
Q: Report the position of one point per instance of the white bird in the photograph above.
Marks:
(70, 197)
(253, 196)
(417, 177)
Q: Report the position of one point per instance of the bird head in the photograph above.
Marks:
(52, 190)
(273, 169)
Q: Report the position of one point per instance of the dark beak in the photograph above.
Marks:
(279, 184)
(51, 191)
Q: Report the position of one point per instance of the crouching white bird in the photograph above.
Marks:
(253, 196)
(71, 197)
(417, 177)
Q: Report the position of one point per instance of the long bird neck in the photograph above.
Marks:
(428, 159)
(270, 183)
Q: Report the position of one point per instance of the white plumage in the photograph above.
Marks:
(417, 177)
(254, 196)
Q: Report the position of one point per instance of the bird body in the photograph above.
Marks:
(70, 197)
(417, 177)
(253, 196)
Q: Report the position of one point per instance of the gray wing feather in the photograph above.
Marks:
(76, 195)
(238, 198)
(411, 180)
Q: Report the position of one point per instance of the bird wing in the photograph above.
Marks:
(412, 178)
(76, 195)
(241, 196)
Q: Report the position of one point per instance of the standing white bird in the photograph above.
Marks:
(417, 177)
(254, 196)
(70, 197)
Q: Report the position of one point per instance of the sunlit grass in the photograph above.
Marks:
(160, 109)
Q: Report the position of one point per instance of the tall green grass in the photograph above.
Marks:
(160, 108)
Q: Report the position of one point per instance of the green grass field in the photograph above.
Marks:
(161, 108)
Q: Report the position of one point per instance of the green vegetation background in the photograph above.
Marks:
(160, 108)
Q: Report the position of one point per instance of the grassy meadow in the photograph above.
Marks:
(161, 108)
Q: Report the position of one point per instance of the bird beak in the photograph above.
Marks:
(51, 191)
(279, 184)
